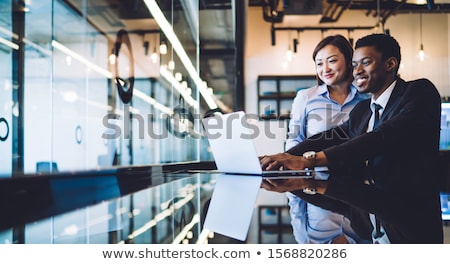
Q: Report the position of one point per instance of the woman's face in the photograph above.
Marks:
(331, 66)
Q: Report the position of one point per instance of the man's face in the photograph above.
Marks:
(370, 70)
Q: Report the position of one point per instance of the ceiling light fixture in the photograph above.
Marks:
(421, 53)
(154, 55)
(289, 51)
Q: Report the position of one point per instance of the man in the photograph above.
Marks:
(381, 172)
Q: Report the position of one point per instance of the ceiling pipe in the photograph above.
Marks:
(322, 29)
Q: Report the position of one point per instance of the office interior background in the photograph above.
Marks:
(100, 133)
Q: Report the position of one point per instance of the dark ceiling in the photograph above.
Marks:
(221, 48)
(217, 46)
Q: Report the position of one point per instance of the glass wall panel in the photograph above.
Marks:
(85, 85)
(7, 46)
(94, 86)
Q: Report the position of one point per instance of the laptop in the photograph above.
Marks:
(230, 137)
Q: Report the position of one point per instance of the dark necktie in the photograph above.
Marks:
(377, 108)
(376, 115)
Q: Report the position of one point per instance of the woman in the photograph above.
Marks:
(314, 110)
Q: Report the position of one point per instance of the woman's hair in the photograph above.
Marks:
(344, 47)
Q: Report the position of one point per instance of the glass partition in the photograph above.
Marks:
(7, 103)
(88, 84)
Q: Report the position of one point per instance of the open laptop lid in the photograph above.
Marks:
(231, 138)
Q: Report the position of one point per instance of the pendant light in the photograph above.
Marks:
(421, 53)
(289, 51)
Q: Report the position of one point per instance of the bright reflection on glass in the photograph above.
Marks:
(178, 76)
(8, 43)
(112, 59)
(184, 233)
(42, 50)
(152, 101)
(171, 65)
(176, 45)
(178, 86)
(71, 230)
(68, 60)
(70, 96)
(163, 48)
(81, 59)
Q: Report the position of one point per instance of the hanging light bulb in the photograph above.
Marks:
(154, 56)
(171, 65)
(289, 51)
(289, 54)
(178, 76)
(421, 53)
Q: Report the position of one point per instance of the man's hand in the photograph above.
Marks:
(285, 185)
(283, 161)
(294, 184)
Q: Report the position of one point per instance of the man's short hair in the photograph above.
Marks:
(385, 44)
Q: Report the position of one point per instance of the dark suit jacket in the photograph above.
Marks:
(402, 150)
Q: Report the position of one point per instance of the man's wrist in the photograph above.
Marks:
(321, 159)
(315, 186)
(310, 188)
(310, 157)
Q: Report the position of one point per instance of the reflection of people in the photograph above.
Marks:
(382, 180)
(314, 110)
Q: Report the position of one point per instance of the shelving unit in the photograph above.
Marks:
(276, 93)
